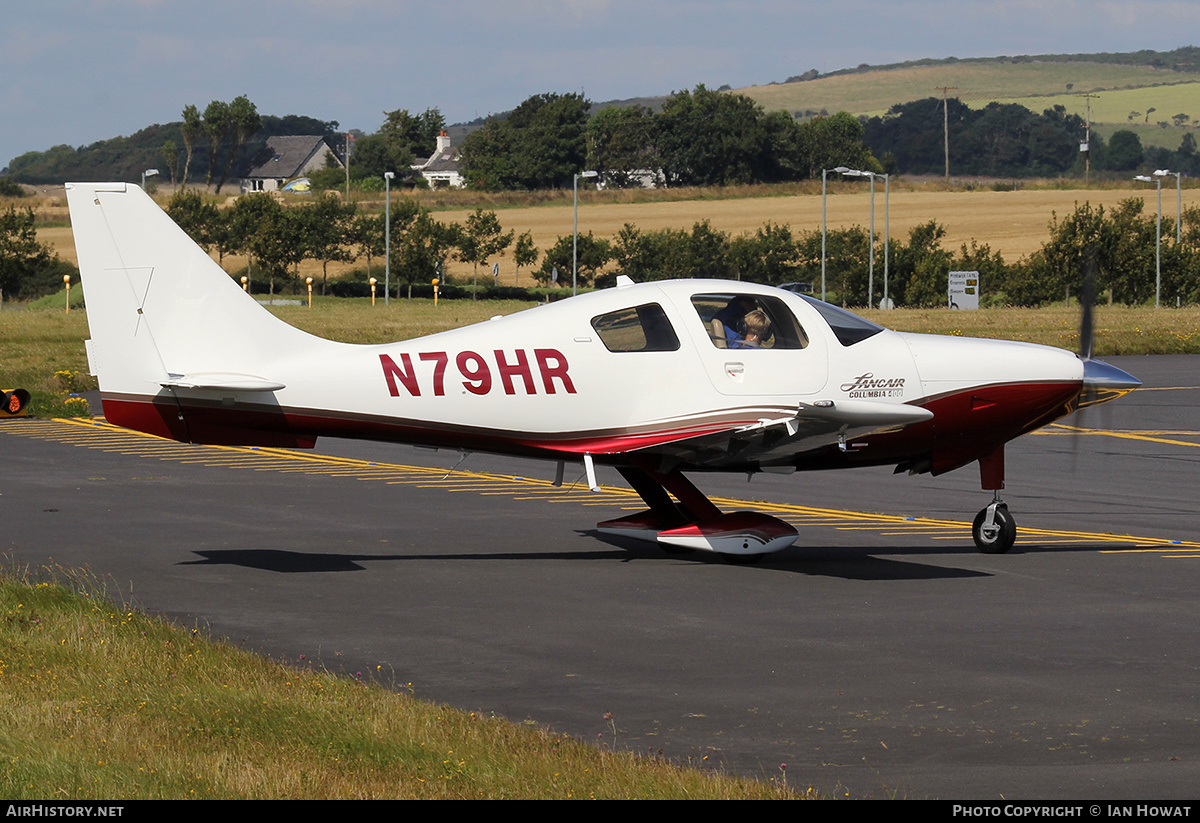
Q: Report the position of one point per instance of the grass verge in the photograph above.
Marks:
(102, 702)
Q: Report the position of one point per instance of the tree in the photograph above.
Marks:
(524, 253)
(258, 227)
(592, 256)
(708, 138)
(770, 255)
(488, 157)
(217, 122)
(416, 134)
(325, 227)
(420, 244)
(170, 153)
(668, 254)
(918, 271)
(540, 145)
(1001, 139)
(837, 140)
(193, 131)
(621, 145)
(196, 217)
(224, 124)
(846, 262)
(650, 255)
(243, 123)
(403, 139)
(23, 260)
(367, 232)
(1125, 152)
(481, 239)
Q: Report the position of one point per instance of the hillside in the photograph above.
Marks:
(1143, 97)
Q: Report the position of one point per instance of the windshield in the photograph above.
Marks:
(848, 328)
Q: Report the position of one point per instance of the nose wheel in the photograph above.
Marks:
(994, 529)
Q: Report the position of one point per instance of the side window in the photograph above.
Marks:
(748, 321)
(641, 328)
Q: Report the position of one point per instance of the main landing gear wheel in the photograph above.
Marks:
(998, 535)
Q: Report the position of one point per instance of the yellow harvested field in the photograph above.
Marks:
(1014, 223)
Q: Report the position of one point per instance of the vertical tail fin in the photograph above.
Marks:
(163, 315)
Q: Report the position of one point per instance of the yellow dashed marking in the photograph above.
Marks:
(102, 436)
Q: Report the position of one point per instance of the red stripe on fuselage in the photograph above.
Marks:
(967, 425)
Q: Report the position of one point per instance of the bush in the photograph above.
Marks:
(10, 189)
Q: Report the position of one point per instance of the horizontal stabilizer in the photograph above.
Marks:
(222, 382)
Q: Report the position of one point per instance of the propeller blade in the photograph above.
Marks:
(1087, 301)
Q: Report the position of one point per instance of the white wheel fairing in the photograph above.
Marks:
(741, 533)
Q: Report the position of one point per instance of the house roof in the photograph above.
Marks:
(444, 160)
(286, 156)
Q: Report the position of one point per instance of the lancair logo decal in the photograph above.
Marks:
(868, 386)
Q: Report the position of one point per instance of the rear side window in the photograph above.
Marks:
(640, 328)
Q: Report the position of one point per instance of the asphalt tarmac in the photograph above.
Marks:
(879, 657)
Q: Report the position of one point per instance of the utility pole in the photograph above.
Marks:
(946, 125)
(1086, 146)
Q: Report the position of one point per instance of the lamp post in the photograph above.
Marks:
(1178, 200)
(387, 239)
(824, 173)
(1157, 239)
(575, 237)
(147, 173)
(887, 178)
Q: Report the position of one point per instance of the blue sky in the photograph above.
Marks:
(78, 72)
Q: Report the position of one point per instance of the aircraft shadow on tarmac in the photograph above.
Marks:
(293, 562)
(846, 562)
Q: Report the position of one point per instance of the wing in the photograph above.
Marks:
(775, 441)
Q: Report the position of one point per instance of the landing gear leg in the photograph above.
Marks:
(994, 529)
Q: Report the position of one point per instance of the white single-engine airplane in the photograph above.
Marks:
(655, 379)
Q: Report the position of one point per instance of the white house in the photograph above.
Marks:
(441, 170)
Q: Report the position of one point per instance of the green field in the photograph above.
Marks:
(1038, 86)
(977, 83)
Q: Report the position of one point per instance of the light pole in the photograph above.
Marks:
(1157, 239)
(147, 173)
(387, 237)
(887, 178)
(824, 173)
(1178, 201)
(887, 196)
(575, 237)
